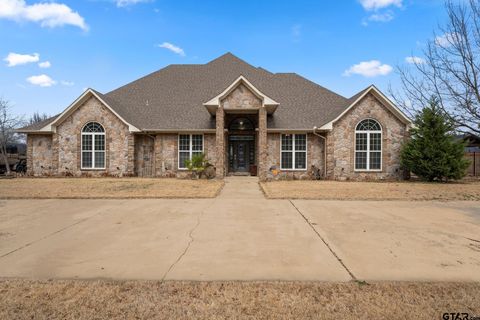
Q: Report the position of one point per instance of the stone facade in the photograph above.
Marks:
(156, 155)
(165, 151)
(119, 141)
(40, 146)
(341, 142)
(241, 98)
(315, 157)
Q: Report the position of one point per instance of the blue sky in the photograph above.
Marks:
(344, 45)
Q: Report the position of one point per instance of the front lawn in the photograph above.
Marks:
(107, 188)
(337, 190)
(70, 299)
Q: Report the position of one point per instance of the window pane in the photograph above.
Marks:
(300, 160)
(360, 160)
(184, 142)
(368, 125)
(287, 160)
(99, 159)
(100, 142)
(93, 127)
(300, 142)
(287, 142)
(183, 156)
(361, 142)
(375, 160)
(375, 142)
(86, 159)
(87, 142)
(197, 142)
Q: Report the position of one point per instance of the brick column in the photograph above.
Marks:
(262, 144)
(220, 142)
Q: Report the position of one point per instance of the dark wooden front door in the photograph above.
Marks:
(240, 156)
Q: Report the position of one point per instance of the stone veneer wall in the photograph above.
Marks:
(39, 155)
(341, 142)
(166, 154)
(241, 97)
(119, 141)
(315, 156)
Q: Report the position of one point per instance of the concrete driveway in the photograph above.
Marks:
(240, 236)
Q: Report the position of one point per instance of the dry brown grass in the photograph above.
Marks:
(107, 188)
(70, 299)
(336, 190)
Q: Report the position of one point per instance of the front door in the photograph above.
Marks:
(241, 152)
(240, 156)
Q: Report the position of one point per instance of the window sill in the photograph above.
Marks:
(378, 170)
(293, 170)
(93, 169)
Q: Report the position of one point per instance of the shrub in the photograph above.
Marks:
(433, 153)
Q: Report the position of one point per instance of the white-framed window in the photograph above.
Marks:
(93, 146)
(368, 146)
(293, 152)
(188, 145)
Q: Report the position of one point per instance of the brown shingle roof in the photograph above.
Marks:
(173, 97)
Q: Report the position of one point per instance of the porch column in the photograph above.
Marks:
(262, 144)
(220, 142)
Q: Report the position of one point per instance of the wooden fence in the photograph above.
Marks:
(474, 169)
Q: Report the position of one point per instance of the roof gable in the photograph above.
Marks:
(359, 96)
(79, 102)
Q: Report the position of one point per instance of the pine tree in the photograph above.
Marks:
(433, 153)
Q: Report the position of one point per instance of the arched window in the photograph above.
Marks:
(241, 124)
(368, 146)
(93, 146)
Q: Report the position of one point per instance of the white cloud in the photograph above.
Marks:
(67, 83)
(45, 64)
(41, 80)
(414, 60)
(445, 40)
(15, 59)
(371, 68)
(381, 17)
(172, 48)
(379, 4)
(48, 14)
(126, 3)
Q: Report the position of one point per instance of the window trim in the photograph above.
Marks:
(190, 151)
(368, 132)
(93, 134)
(293, 152)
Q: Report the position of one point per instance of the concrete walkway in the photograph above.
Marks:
(240, 236)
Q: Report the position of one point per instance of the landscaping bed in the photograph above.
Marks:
(337, 190)
(107, 188)
(75, 299)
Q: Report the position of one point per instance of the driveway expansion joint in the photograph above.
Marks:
(325, 242)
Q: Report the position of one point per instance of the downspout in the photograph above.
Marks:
(324, 151)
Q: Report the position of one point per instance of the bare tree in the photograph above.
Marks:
(37, 117)
(8, 123)
(450, 70)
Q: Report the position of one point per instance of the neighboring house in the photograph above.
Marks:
(243, 118)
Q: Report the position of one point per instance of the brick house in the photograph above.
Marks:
(243, 118)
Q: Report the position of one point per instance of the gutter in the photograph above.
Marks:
(324, 151)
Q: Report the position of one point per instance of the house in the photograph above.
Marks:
(243, 118)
